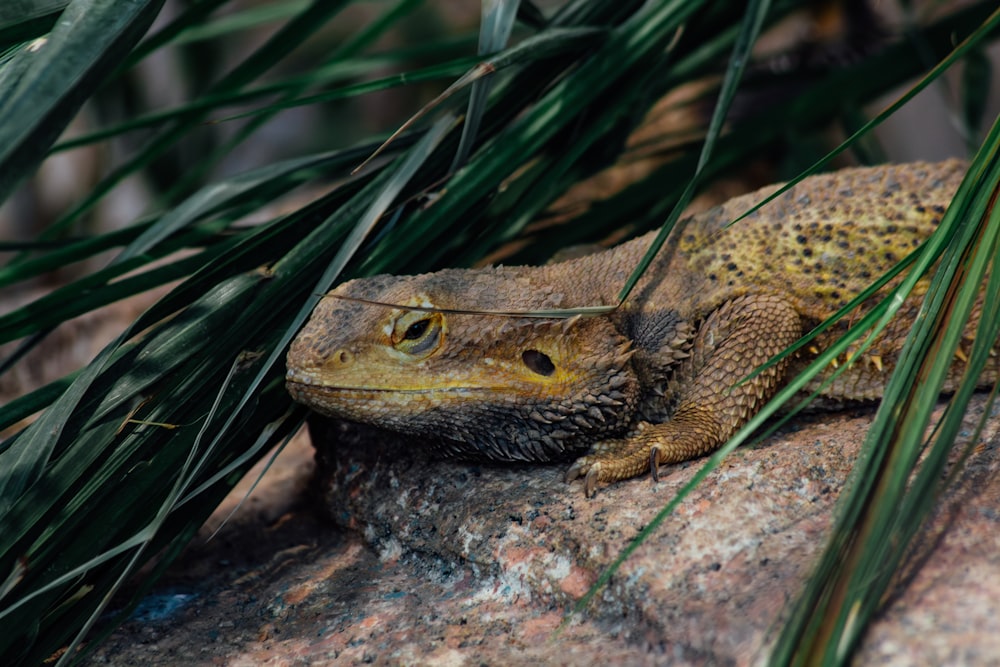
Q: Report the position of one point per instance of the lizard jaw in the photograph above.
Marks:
(305, 384)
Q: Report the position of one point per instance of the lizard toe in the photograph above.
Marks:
(590, 482)
(578, 469)
(587, 468)
(654, 462)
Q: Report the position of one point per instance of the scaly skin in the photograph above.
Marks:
(658, 380)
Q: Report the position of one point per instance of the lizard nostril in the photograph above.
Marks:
(344, 356)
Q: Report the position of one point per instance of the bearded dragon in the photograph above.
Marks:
(658, 380)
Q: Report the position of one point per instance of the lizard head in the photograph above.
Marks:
(500, 387)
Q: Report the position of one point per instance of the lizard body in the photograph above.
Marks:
(656, 381)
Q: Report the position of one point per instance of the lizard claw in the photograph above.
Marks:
(654, 462)
(575, 471)
(590, 482)
(590, 471)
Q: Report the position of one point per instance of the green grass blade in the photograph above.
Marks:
(264, 58)
(650, 30)
(87, 43)
(219, 196)
(881, 514)
(23, 20)
(754, 18)
(494, 31)
(59, 254)
(13, 12)
(24, 461)
(24, 406)
(977, 79)
(853, 590)
(552, 43)
(290, 98)
(968, 44)
(193, 15)
(244, 19)
(371, 32)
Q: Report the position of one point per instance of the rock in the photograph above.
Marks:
(436, 562)
(712, 582)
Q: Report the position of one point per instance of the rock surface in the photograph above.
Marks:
(450, 563)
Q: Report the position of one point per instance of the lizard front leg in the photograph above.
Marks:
(711, 401)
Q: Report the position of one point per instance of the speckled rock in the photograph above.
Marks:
(711, 583)
(444, 563)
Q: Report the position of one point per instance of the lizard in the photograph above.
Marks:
(659, 380)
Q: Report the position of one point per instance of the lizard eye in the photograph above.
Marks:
(417, 333)
(416, 330)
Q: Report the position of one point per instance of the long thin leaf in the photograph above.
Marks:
(264, 58)
(358, 42)
(871, 534)
(756, 13)
(752, 22)
(56, 74)
(494, 30)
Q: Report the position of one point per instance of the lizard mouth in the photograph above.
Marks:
(303, 384)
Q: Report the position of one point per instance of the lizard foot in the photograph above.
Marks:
(711, 401)
(611, 461)
(647, 448)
